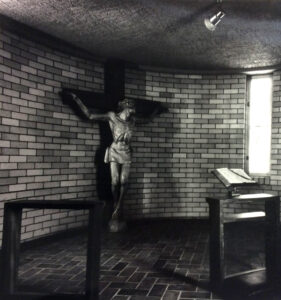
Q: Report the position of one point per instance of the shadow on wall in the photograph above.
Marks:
(100, 104)
(152, 184)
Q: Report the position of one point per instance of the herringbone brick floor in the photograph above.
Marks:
(152, 260)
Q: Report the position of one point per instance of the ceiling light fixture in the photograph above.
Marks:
(212, 22)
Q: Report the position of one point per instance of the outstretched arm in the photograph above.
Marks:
(86, 112)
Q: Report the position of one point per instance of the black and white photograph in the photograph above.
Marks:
(140, 149)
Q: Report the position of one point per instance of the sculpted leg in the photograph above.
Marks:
(115, 170)
(124, 178)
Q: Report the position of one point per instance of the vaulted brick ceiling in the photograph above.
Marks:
(161, 33)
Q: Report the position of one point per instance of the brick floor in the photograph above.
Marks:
(152, 260)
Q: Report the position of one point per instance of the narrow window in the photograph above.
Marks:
(259, 130)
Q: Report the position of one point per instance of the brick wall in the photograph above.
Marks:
(174, 154)
(46, 151)
(275, 178)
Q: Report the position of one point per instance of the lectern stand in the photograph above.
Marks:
(271, 214)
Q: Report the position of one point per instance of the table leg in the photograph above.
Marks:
(272, 239)
(93, 253)
(216, 244)
(10, 249)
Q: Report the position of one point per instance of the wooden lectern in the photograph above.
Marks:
(233, 178)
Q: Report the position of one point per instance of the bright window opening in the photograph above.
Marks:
(260, 95)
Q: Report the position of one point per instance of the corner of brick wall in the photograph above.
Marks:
(47, 152)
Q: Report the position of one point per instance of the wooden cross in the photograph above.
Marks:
(114, 91)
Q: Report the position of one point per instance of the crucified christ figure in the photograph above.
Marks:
(118, 155)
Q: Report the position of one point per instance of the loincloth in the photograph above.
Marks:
(119, 153)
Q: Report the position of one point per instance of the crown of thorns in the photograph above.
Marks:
(126, 103)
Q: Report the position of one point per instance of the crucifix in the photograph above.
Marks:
(121, 115)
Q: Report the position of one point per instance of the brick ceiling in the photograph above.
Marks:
(161, 33)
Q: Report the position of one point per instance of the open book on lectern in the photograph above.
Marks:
(233, 177)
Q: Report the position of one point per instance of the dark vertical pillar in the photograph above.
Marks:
(10, 249)
(216, 243)
(114, 90)
(93, 252)
(114, 81)
(272, 239)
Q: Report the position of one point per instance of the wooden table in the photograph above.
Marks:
(217, 217)
(11, 245)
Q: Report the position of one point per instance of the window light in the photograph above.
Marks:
(260, 124)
